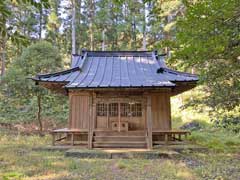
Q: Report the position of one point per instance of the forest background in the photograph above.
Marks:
(201, 37)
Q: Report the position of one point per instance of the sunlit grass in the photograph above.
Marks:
(217, 140)
(181, 115)
(19, 161)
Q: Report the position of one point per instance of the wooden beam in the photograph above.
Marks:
(116, 90)
(149, 122)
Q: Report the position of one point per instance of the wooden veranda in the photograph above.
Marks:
(68, 137)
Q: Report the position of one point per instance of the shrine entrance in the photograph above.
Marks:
(120, 115)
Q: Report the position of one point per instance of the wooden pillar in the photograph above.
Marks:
(119, 116)
(166, 138)
(179, 137)
(90, 122)
(72, 139)
(70, 111)
(149, 122)
(53, 139)
(169, 111)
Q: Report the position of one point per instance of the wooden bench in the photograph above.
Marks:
(66, 132)
(170, 135)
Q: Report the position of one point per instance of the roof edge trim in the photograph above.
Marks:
(56, 73)
(118, 53)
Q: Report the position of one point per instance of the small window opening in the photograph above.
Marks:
(101, 109)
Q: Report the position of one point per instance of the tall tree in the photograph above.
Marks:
(144, 31)
(208, 39)
(91, 23)
(53, 23)
(37, 58)
(10, 24)
(73, 26)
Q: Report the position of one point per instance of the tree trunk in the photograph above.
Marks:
(73, 27)
(168, 35)
(134, 39)
(103, 39)
(3, 54)
(144, 42)
(40, 23)
(79, 40)
(39, 112)
(91, 8)
(3, 58)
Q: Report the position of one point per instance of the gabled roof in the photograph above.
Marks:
(117, 69)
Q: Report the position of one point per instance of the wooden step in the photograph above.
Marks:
(120, 144)
(119, 138)
(121, 133)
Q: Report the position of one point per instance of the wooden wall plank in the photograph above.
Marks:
(161, 113)
(79, 111)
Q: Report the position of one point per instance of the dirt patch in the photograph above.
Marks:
(191, 162)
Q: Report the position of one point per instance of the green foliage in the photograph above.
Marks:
(18, 100)
(229, 123)
(208, 40)
(21, 110)
(8, 31)
(13, 176)
(38, 58)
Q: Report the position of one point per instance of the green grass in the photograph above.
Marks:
(19, 161)
(217, 140)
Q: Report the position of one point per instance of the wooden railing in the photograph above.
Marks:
(63, 134)
(162, 136)
(170, 135)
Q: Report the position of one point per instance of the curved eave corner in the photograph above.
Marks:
(46, 77)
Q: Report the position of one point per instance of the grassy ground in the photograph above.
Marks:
(19, 161)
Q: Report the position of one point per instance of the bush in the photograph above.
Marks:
(229, 123)
(194, 125)
(216, 139)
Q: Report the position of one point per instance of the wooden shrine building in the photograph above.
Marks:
(118, 98)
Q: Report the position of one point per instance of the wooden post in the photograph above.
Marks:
(166, 138)
(179, 137)
(185, 135)
(53, 139)
(149, 122)
(70, 111)
(72, 139)
(92, 107)
(119, 116)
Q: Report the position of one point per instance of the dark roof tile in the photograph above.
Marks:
(118, 69)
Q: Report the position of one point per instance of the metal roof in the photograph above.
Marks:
(126, 69)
